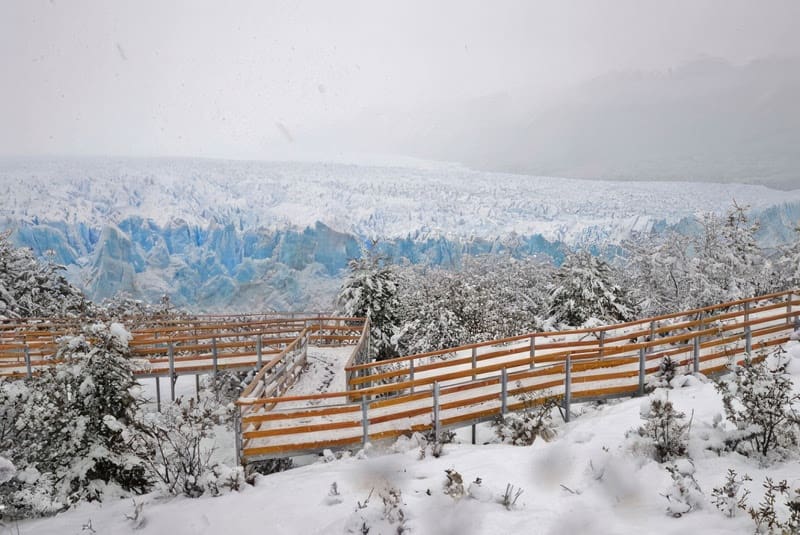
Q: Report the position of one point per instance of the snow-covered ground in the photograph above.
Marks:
(587, 480)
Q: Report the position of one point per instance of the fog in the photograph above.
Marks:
(523, 86)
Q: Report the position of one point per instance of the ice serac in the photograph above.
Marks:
(115, 263)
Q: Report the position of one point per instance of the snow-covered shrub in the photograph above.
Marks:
(430, 443)
(32, 288)
(174, 446)
(684, 495)
(488, 297)
(226, 387)
(454, 484)
(510, 496)
(720, 263)
(370, 291)
(136, 518)
(477, 491)
(765, 516)
(664, 435)
(524, 427)
(72, 426)
(759, 401)
(586, 288)
(266, 467)
(787, 264)
(134, 311)
(388, 517)
(667, 369)
(729, 497)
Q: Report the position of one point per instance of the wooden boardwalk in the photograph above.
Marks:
(183, 346)
(469, 384)
(452, 388)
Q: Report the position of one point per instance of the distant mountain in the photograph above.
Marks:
(706, 121)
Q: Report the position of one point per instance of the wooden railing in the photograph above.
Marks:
(479, 382)
(196, 345)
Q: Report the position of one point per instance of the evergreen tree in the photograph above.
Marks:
(787, 264)
(68, 429)
(585, 289)
(370, 291)
(728, 263)
(30, 288)
(658, 273)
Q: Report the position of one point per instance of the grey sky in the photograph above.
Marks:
(260, 79)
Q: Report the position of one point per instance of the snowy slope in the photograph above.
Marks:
(585, 481)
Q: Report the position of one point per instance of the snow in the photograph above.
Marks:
(586, 480)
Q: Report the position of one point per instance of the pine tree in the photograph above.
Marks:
(30, 288)
(370, 291)
(585, 289)
(68, 428)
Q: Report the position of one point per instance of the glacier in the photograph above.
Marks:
(238, 235)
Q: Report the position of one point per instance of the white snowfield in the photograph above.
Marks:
(480, 382)
(367, 200)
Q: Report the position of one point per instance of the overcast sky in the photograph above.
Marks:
(259, 79)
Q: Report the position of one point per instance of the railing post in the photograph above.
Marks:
(411, 374)
(171, 355)
(789, 308)
(642, 360)
(28, 367)
(652, 336)
(567, 387)
(533, 352)
(259, 357)
(474, 361)
(696, 353)
(436, 411)
(158, 394)
(503, 391)
(602, 343)
(238, 438)
(700, 326)
(214, 357)
(364, 421)
(748, 339)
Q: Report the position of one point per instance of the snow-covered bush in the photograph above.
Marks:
(730, 497)
(488, 297)
(123, 306)
(722, 262)
(667, 369)
(370, 291)
(510, 496)
(68, 429)
(768, 519)
(684, 495)
(226, 387)
(175, 447)
(268, 466)
(454, 484)
(31, 288)
(386, 517)
(664, 435)
(524, 427)
(586, 288)
(759, 401)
